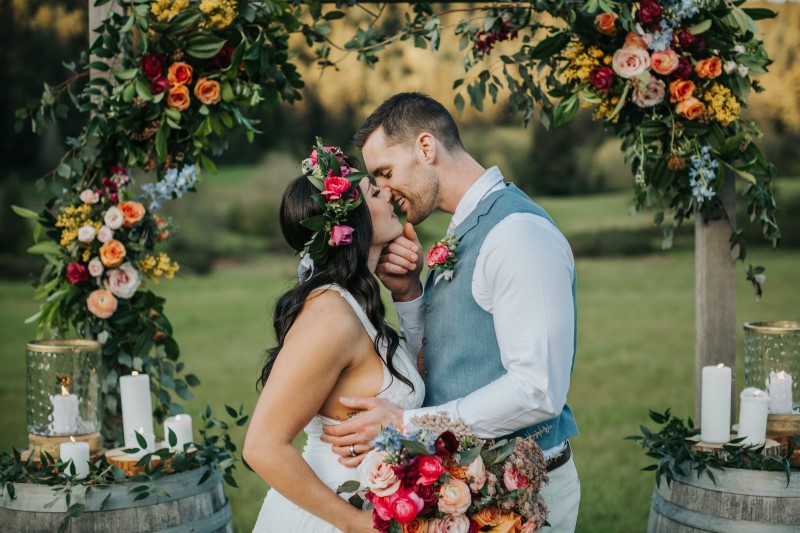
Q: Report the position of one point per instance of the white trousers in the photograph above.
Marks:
(562, 494)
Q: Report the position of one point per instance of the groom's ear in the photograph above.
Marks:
(426, 147)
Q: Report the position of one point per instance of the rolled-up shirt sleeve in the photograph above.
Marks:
(523, 277)
(412, 323)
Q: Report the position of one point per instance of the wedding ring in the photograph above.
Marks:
(353, 450)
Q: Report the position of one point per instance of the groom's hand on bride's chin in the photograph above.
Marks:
(361, 429)
(400, 265)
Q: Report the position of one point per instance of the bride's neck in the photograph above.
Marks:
(374, 256)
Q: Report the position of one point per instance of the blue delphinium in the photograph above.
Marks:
(174, 185)
(388, 440)
(702, 173)
(662, 38)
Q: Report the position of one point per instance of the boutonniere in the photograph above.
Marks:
(443, 255)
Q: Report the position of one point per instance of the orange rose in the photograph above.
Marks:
(508, 523)
(680, 90)
(454, 470)
(132, 212)
(664, 63)
(418, 525)
(179, 73)
(605, 23)
(709, 68)
(112, 253)
(489, 516)
(207, 91)
(634, 40)
(101, 303)
(178, 97)
(690, 108)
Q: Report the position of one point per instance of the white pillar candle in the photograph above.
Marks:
(149, 437)
(780, 393)
(753, 404)
(65, 412)
(79, 453)
(137, 407)
(715, 409)
(182, 426)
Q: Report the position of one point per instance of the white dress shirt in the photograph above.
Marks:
(523, 277)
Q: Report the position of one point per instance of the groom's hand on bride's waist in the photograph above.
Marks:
(351, 439)
(400, 265)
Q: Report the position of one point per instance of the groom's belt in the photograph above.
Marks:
(560, 459)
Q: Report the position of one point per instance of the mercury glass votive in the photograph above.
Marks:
(772, 362)
(63, 387)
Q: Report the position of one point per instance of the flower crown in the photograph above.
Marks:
(332, 173)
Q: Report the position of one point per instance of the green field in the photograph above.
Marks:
(635, 351)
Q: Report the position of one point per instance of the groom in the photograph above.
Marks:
(499, 337)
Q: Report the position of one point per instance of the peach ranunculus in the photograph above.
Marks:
(454, 470)
(454, 497)
(178, 97)
(489, 516)
(690, 108)
(508, 523)
(179, 73)
(112, 253)
(101, 303)
(207, 91)
(709, 68)
(605, 23)
(418, 525)
(476, 474)
(449, 524)
(680, 90)
(132, 212)
(664, 63)
(630, 62)
(634, 40)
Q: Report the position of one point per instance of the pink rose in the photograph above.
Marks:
(454, 497)
(341, 235)
(438, 255)
(86, 233)
(330, 150)
(96, 267)
(90, 197)
(101, 303)
(335, 187)
(406, 506)
(430, 469)
(664, 63)
(105, 234)
(651, 95)
(77, 273)
(449, 524)
(630, 62)
(114, 218)
(513, 480)
(476, 474)
(123, 281)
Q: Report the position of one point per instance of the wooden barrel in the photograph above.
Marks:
(189, 507)
(742, 501)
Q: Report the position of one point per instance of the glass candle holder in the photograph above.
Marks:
(772, 362)
(63, 387)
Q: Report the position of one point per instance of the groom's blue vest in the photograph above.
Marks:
(461, 352)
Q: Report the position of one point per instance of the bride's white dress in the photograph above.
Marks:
(281, 515)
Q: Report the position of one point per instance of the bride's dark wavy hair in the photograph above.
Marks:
(346, 266)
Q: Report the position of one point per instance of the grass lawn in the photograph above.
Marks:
(635, 352)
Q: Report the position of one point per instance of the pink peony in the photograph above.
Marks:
(630, 62)
(77, 273)
(335, 187)
(430, 469)
(406, 506)
(513, 480)
(454, 497)
(438, 255)
(101, 303)
(651, 95)
(341, 235)
(449, 524)
(123, 281)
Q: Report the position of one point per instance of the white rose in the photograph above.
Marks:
(96, 267)
(378, 476)
(105, 234)
(89, 197)
(739, 49)
(742, 70)
(729, 66)
(114, 218)
(123, 281)
(86, 233)
(630, 62)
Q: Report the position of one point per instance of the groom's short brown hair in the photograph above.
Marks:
(405, 115)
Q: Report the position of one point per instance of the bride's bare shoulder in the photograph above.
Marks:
(326, 310)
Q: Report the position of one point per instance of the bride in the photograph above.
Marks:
(332, 341)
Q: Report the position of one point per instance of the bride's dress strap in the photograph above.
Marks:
(362, 315)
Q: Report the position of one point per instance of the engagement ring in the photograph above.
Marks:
(353, 450)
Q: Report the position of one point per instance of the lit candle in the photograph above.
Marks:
(753, 404)
(78, 452)
(182, 426)
(780, 393)
(137, 407)
(65, 412)
(715, 409)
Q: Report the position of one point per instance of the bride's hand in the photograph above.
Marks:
(360, 430)
(400, 265)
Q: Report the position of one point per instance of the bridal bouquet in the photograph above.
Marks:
(438, 476)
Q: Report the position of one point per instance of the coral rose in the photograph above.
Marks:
(664, 63)
(101, 303)
(341, 235)
(709, 68)
(207, 91)
(178, 97)
(680, 90)
(606, 23)
(630, 62)
(112, 253)
(690, 108)
(454, 497)
(124, 281)
(418, 525)
(437, 255)
(489, 516)
(179, 73)
(449, 524)
(132, 212)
